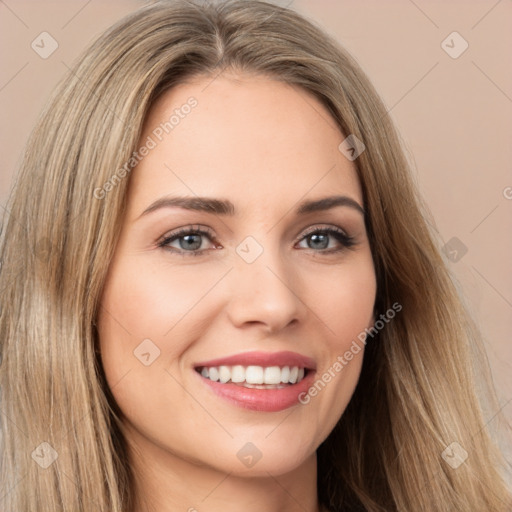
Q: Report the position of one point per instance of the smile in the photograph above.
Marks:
(256, 377)
(259, 381)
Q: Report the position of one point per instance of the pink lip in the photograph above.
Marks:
(262, 359)
(267, 400)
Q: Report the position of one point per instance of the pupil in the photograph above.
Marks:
(190, 243)
(316, 237)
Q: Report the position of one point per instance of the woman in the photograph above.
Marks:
(312, 355)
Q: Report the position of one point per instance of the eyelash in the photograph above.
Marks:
(345, 240)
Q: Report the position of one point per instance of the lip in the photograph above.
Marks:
(263, 400)
(262, 359)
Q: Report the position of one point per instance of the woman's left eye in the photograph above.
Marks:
(189, 242)
(319, 238)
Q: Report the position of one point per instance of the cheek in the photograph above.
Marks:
(148, 317)
(140, 307)
(142, 301)
(345, 307)
(345, 300)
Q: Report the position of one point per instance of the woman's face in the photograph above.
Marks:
(232, 279)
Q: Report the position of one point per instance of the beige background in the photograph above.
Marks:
(454, 116)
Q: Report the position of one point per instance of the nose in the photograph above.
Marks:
(265, 293)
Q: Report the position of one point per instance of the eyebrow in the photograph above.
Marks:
(226, 207)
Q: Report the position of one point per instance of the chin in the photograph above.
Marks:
(259, 457)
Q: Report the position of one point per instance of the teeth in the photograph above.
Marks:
(224, 374)
(213, 374)
(237, 374)
(254, 376)
(272, 375)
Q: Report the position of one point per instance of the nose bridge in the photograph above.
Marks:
(264, 289)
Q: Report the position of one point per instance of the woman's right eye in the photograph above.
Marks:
(187, 241)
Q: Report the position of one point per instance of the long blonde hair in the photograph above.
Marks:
(417, 391)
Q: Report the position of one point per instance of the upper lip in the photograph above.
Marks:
(262, 359)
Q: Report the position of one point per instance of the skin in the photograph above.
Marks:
(266, 146)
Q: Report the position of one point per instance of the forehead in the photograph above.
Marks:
(252, 139)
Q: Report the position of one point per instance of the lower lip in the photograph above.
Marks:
(268, 400)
